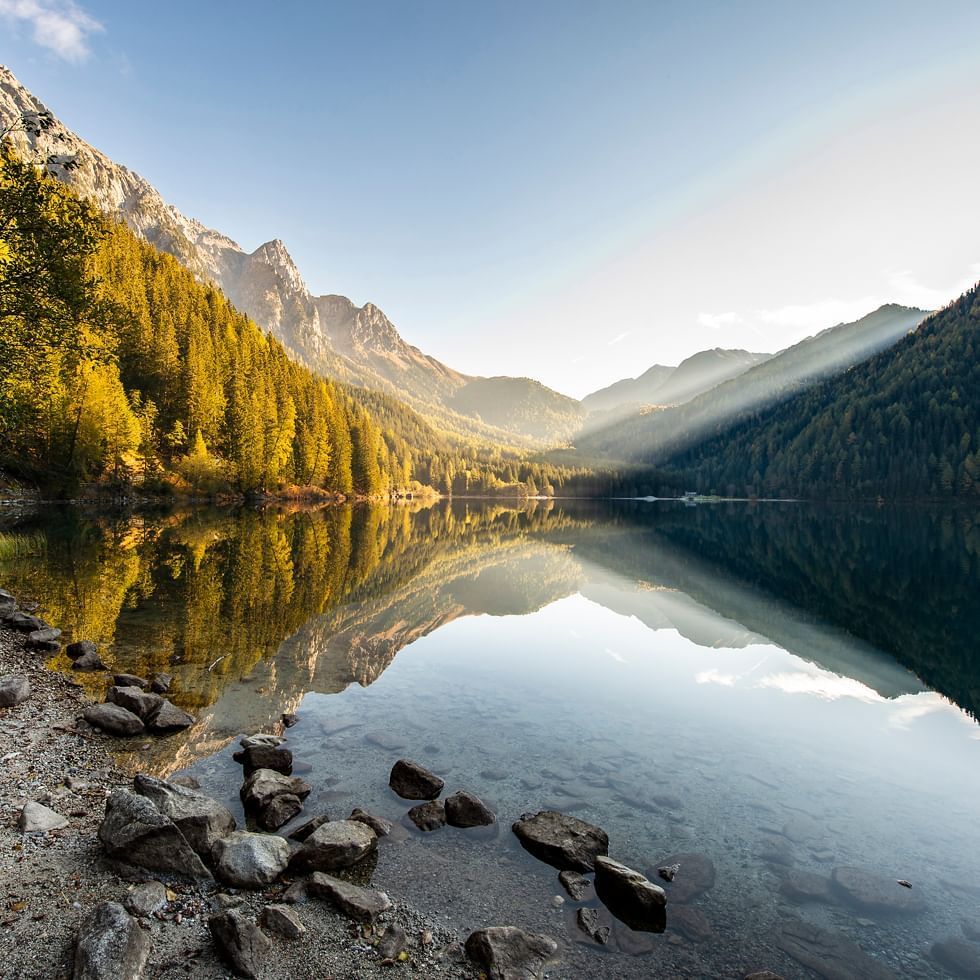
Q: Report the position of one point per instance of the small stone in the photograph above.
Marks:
(465, 809)
(393, 941)
(260, 738)
(413, 782)
(14, 689)
(578, 886)
(36, 818)
(246, 860)
(289, 719)
(160, 683)
(362, 904)
(805, 886)
(691, 922)
(113, 719)
(283, 921)
(630, 897)
(379, 825)
(509, 953)
(241, 942)
(147, 898)
(563, 841)
(169, 718)
(694, 874)
(428, 816)
(669, 873)
(588, 921)
(110, 945)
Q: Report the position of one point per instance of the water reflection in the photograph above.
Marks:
(782, 693)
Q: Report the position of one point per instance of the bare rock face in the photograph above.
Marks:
(110, 945)
(200, 819)
(362, 904)
(134, 831)
(14, 689)
(240, 941)
(465, 809)
(509, 953)
(245, 860)
(414, 782)
(560, 840)
(872, 892)
(113, 718)
(630, 897)
(336, 845)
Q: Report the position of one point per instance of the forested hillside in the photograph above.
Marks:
(119, 366)
(905, 423)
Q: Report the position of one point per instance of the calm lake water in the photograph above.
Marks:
(778, 694)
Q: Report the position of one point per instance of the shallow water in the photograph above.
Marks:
(782, 690)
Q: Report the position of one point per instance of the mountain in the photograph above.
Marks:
(331, 334)
(905, 423)
(650, 436)
(629, 391)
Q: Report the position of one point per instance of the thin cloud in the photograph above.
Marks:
(717, 321)
(619, 337)
(824, 313)
(58, 25)
(909, 291)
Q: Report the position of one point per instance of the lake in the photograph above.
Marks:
(780, 698)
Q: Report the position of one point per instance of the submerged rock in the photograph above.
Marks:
(114, 719)
(509, 953)
(14, 689)
(465, 809)
(428, 816)
(694, 874)
(828, 954)
(589, 921)
(414, 782)
(379, 825)
(336, 845)
(36, 818)
(134, 831)
(872, 892)
(362, 904)
(578, 886)
(110, 945)
(560, 840)
(630, 897)
(691, 922)
(246, 860)
(199, 818)
(961, 958)
(805, 886)
(240, 941)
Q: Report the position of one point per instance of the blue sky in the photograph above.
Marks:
(568, 190)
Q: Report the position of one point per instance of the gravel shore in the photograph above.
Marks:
(50, 881)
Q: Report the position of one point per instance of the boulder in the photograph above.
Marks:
(579, 887)
(14, 689)
(560, 840)
(362, 904)
(413, 782)
(36, 818)
(265, 785)
(240, 941)
(46, 639)
(589, 921)
(110, 945)
(246, 860)
(88, 661)
(75, 650)
(147, 898)
(133, 830)
(871, 892)
(509, 953)
(335, 845)
(428, 816)
(464, 809)
(114, 719)
(25, 623)
(140, 703)
(305, 829)
(379, 825)
(694, 874)
(130, 680)
(279, 811)
(160, 683)
(200, 819)
(275, 757)
(283, 921)
(959, 957)
(630, 897)
(169, 718)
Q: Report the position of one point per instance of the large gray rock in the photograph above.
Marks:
(336, 845)
(414, 782)
(14, 689)
(509, 953)
(25, 622)
(36, 818)
(140, 703)
(465, 809)
(560, 840)
(114, 719)
(110, 945)
(241, 942)
(134, 831)
(362, 904)
(245, 860)
(873, 893)
(630, 897)
(305, 829)
(275, 757)
(200, 819)
(169, 718)
(264, 785)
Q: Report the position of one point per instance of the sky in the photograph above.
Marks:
(570, 191)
